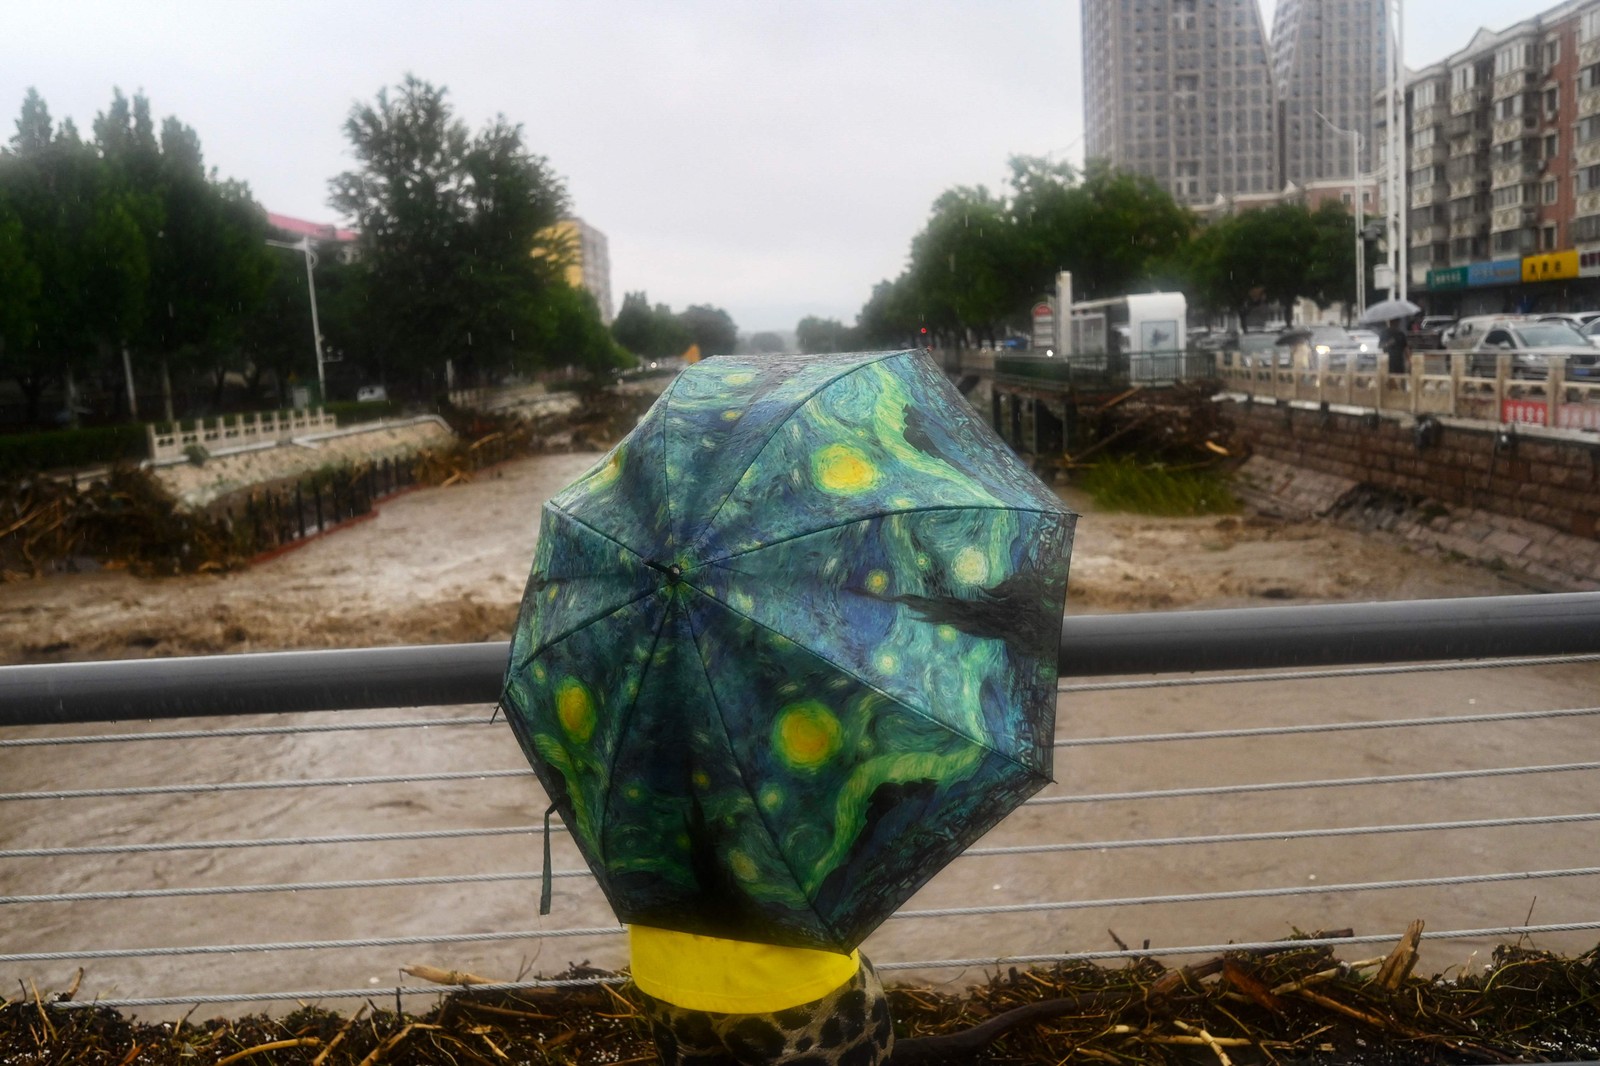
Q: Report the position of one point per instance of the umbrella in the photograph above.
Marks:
(1388, 311)
(791, 646)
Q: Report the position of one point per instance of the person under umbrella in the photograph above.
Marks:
(1396, 347)
(785, 652)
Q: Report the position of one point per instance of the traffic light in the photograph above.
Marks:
(927, 341)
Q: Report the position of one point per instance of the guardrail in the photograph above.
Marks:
(281, 860)
(231, 432)
(1100, 370)
(1438, 384)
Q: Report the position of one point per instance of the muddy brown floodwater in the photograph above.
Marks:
(448, 565)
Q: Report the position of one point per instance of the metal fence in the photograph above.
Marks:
(1101, 370)
(249, 857)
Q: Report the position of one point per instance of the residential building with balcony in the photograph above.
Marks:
(1181, 91)
(1503, 167)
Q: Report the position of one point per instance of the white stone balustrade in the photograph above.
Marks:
(233, 432)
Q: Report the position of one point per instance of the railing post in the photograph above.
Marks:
(1418, 367)
(1458, 376)
(1502, 380)
(1555, 389)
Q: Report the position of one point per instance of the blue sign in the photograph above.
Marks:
(1499, 272)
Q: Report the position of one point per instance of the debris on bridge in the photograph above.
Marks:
(1288, 1005)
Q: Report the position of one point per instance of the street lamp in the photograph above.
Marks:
(1361, 244)
(304, 245)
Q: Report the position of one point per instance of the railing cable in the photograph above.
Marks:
(435, 991)
(938, 912)
(1328, 727)
(1321, 675)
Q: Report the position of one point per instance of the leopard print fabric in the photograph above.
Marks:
(849, 1026)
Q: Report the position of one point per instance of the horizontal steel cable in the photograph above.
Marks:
(1288, 834)
(922, 964)
(1327, 782)
(256, 786)
(1093, 797)
(271, 842)
(288, 886)
(1323, 675)
(1222, 949)
(1244, 893)
(241, 731)
(1078, 742)
(1328, 727)
(315, 945)
(1021, 849)
(938, 912)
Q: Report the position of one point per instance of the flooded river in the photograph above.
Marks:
(449, 564)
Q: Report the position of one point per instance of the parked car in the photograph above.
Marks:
(1465, 334)
(1427, 333)
(1531, 344)
(1576, 319)
(1308, 344)
(1258, 348)
(371, 392)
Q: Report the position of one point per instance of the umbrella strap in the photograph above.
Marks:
(544, 878)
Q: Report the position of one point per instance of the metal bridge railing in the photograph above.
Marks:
(246, 857)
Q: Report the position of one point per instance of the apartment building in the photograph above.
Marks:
(1503, 181)
(1328, 58)
(1181, 91)
(590, 264)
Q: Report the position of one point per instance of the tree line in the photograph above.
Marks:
(982, 260)
(126, 265)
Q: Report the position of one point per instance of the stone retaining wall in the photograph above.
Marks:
(1529, 502)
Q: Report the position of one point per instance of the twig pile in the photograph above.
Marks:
(1299, 1005)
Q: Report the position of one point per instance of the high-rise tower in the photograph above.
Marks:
(1329, 57)
(1181, 90)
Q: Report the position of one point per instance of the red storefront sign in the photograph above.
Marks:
(1578, 416)
(1525, 412)
(1537, 413)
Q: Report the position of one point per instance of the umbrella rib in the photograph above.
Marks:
(779, 426)
(919, 712)
(871, 517)
(755, 803)
(666, 417)
(622, 726)
(587, 622)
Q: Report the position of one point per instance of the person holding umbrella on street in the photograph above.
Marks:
(1397, 348)
(1393, 341)
(786, 651)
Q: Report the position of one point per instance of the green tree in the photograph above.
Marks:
(766, 343)
(1109, 228)
(711, 328)
(649, 332)
(889, 318)
(450, 226)
(210, 267)
(1331, 272)
(965, 265)
(817, 336)
(80, 229)
(572, 334)
(19, 296)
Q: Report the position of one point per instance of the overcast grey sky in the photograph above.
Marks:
(772, 159)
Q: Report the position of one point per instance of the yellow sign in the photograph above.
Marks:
(1552, 266)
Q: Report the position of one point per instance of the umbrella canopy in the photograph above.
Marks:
(1388, 311)
(791, 646)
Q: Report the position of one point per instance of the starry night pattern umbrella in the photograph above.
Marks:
(791, 646)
